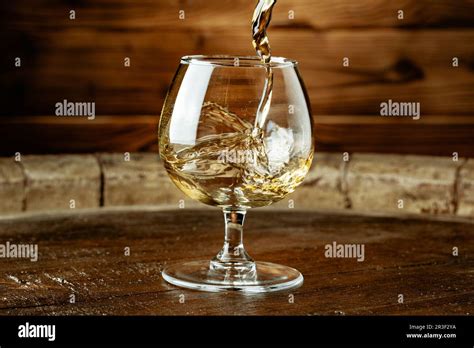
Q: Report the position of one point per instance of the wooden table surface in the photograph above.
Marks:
(83, 254)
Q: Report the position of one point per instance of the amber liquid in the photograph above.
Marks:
(244, 166)
(239, 168)
(260, 22)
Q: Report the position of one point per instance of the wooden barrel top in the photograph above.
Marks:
(83, 254)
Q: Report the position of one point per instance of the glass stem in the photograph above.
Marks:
(233, 254)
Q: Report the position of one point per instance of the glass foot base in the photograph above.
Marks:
(265, 277)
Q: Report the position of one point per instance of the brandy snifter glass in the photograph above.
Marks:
(231, 137)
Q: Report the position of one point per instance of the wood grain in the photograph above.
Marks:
(51, 134)
(431, 135)
(215, 14)
(84, 64)
(83, 60)
(364, 134)
(84, 255)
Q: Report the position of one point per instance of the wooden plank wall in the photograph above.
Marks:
(83, 60)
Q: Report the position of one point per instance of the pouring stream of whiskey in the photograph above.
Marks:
(260, 22)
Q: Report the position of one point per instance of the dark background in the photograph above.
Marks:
(82, 60)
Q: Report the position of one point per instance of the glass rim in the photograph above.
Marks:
(243, 61)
